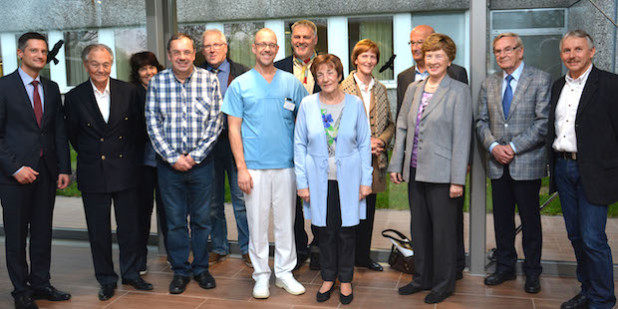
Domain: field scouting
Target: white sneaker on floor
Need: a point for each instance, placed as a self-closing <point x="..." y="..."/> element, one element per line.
<point x="290" y="284"/>
<point x="260" y="289"/>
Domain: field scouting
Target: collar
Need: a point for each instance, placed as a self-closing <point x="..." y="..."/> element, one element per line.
<point x="188" y="77"/>
<point x="27" y="79"/>
<point x="223" y="67"/>
<point x="580" y="80"/>
<point x="361" y="84"/>
<point x="517" y="73"/>
<point x="307" y="61"/>
<point x="96" y="90"/>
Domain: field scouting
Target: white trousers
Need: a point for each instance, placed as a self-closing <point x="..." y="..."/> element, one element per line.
<point x="273" y="189"/>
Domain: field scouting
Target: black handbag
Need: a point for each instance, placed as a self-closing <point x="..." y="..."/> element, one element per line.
<point x="396" y="259"/>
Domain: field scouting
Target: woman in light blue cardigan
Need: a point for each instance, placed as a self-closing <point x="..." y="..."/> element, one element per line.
<point x="332" y="159"/>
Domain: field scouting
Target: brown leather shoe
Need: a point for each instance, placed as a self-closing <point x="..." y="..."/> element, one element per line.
<point x="214" y="258"/>
<point x="247" y="260"/>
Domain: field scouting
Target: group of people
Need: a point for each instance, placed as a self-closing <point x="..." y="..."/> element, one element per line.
<point x="295" y="137"/>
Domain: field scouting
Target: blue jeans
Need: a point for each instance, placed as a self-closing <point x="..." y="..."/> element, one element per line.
<point x="585" y="225"/>
<point x="224" y="162"/>
<point x="187" y="194"/>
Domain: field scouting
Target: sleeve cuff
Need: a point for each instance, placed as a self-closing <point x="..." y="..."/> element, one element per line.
<point x="491" y="147"/>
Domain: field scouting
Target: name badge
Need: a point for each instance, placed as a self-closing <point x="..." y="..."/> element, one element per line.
<point x="289" y="104"/>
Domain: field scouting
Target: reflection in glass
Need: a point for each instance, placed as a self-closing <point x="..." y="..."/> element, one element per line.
<point x="74" y="43"/>
<point x="321" y="47"/>
<point x="128" y="42"/>
<point x="239" y="40"/>
<point x="379" y="30"/>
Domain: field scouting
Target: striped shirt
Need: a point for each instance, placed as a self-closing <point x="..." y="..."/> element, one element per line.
<point x="183" y="117"/>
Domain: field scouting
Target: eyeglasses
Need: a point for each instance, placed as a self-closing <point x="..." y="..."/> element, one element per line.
<point x="506" y="50"/>
<point x="419" y="42"/>
<point x="215" y="46"/>
<point x="264" y="45"/>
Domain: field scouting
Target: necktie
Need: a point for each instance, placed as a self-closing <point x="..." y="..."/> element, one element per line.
<point x="36" y="100"/>
<point x="507" y="97"/>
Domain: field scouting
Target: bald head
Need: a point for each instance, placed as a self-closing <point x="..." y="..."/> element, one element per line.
<point x="264" y="32"/>
<point x="417" y="37"/>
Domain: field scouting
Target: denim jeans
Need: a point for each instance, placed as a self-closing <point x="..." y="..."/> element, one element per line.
<point x="187" y="194"/>
<point x="224" y="162"/>
<point x="585" y="225"/>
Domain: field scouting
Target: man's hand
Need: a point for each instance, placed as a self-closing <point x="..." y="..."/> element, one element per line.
<point x="455" y="191"/>
<point x="63" y="181"/>
<point x="245" y="182"/>
<point x="184" y="163"/>
<point x="304" y="194"/>
<point x="503" y="154"/>
<point x="26" y="175"/>
<point x="377" y="146"/>
<point x="396" y="178"/>
<point x="363" y="192"/>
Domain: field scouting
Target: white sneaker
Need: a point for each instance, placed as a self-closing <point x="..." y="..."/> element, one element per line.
<point x="260" y="289"/>
<point x="290" y="284"/>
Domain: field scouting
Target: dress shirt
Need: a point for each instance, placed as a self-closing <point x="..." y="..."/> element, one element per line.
<point x="419" y="75"/>
<point x="566" y="110"/>
<point x="27" y="80"/>
<point x="366" y="93"/>
<point x="223" y="74"/>
<point x="424" y="102"/>
<point x="304" y="75"/>
<point x="516" y="76"/>
<point x="103" y="99"/>
<point x="183" y="117"/>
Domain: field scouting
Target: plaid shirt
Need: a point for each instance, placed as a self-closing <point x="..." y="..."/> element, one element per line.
<point x="183" y="117"/>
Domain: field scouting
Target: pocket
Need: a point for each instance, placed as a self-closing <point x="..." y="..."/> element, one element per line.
<point x="202" y="106"/>
<point x="442" y="152"/>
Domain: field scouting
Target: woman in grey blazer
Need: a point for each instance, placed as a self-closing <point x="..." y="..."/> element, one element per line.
<point x="434" y="126"/>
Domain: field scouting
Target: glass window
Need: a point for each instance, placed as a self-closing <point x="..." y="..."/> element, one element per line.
<point x="74" y="43"/>
<point x="128" y="42"/>
<point x="529" y="19"/>
<point x="239" y="39"/>
<point x="321" y="47"/>
<point x="379" y="30"/>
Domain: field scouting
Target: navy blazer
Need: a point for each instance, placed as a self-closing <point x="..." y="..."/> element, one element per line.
<point x="287" y="64"/>
<point x="107" y="158"/>
<point x="21" y="138"/>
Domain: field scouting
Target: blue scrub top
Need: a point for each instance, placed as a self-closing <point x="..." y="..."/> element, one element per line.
<point x="267" y="120"/>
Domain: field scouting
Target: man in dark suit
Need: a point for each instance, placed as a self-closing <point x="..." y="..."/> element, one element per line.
<point x="102" y="123"/>
<point x="34" y="161"/>
<point x="511" y="124"/>
<point x="304" y="39"/>
<point x="214" y="49"/>
<point x="582" y="142"/>
<point x="419" y="72"/>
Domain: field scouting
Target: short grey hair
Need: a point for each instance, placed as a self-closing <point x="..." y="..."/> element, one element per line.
<point x="578" y="34"/>
<point x="88" y="49"/>
<point x="214" y="31"/>
<point x="305" y="23"/>
<point x="520" y="43"/>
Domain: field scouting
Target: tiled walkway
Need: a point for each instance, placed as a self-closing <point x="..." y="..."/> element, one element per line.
<point x="72" y="271"/>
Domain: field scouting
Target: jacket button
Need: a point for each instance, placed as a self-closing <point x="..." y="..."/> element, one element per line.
<point x="120" y="156"/>
<point x="103" y="157"/>
<point x="88" y="124"/>
<point x="102" y="139"/>
<point x="120" y="137"/>
<point x="126" y="118"/>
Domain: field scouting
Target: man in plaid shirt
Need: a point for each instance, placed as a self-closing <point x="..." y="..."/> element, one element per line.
<point x="183" y="118"/>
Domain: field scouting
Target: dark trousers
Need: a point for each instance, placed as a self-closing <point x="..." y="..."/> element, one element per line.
<point x="506" y="192"/>
<point x="364" y="233"/>
<point x="585" y="224"/>
<point x="98" y="207"/>
<point x="461" y="250"/>
<point x="336" y="242"/>
<point x="300" y="236"/>
<point x="27" y="210"/>
<point x="148" y="193"/>
<point x="434" y="216"/>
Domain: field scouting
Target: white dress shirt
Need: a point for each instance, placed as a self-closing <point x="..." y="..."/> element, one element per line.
<point x="566" y="110"/>
<point x="366" y="93"/>
<point x="103" y="100"/>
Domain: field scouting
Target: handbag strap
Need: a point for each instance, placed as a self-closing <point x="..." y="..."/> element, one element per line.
<point x="402" y="238"/>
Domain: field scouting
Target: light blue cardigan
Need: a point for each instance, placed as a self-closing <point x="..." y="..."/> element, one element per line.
<point x="352" y="158"/>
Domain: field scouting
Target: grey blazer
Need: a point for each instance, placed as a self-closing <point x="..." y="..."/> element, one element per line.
<point x="444" y="133"/>
<point x="526" y="126"/>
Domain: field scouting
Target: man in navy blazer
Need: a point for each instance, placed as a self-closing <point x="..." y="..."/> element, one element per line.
<point x="304" y="39"/>
<point x="582" y="141"/>
<point x="102" y="124"/>
<point x="511" y="124"/>
<point x="34" y="161"/>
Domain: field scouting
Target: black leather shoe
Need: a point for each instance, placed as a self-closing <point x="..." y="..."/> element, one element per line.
<point x="533" y="285"/>
<point x="436" y="297"/>
<point x="314" y="263"/>
<point x="138" y="284"/>
<point x="301" y="258"/>
<point x="371" y="265"/>
<point x="106" y="291"/>
<point x="346" y="299"/>
<point x="322" y="297"/>
<point x="25" y="301"/>
<point x="579" y="301"/>
<point x="51" y="293"/>
<point x="179" y="284"/>
<point x="410" y="288"/>
<point x="497" y="278"/>
<point x="459" y="275"/>
<point x="205" y="280"/>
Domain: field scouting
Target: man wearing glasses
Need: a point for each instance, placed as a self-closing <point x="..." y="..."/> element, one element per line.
<point x="214" y="49"/>
<point x="511" y="123"/>
<point x="263" y="103"/>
